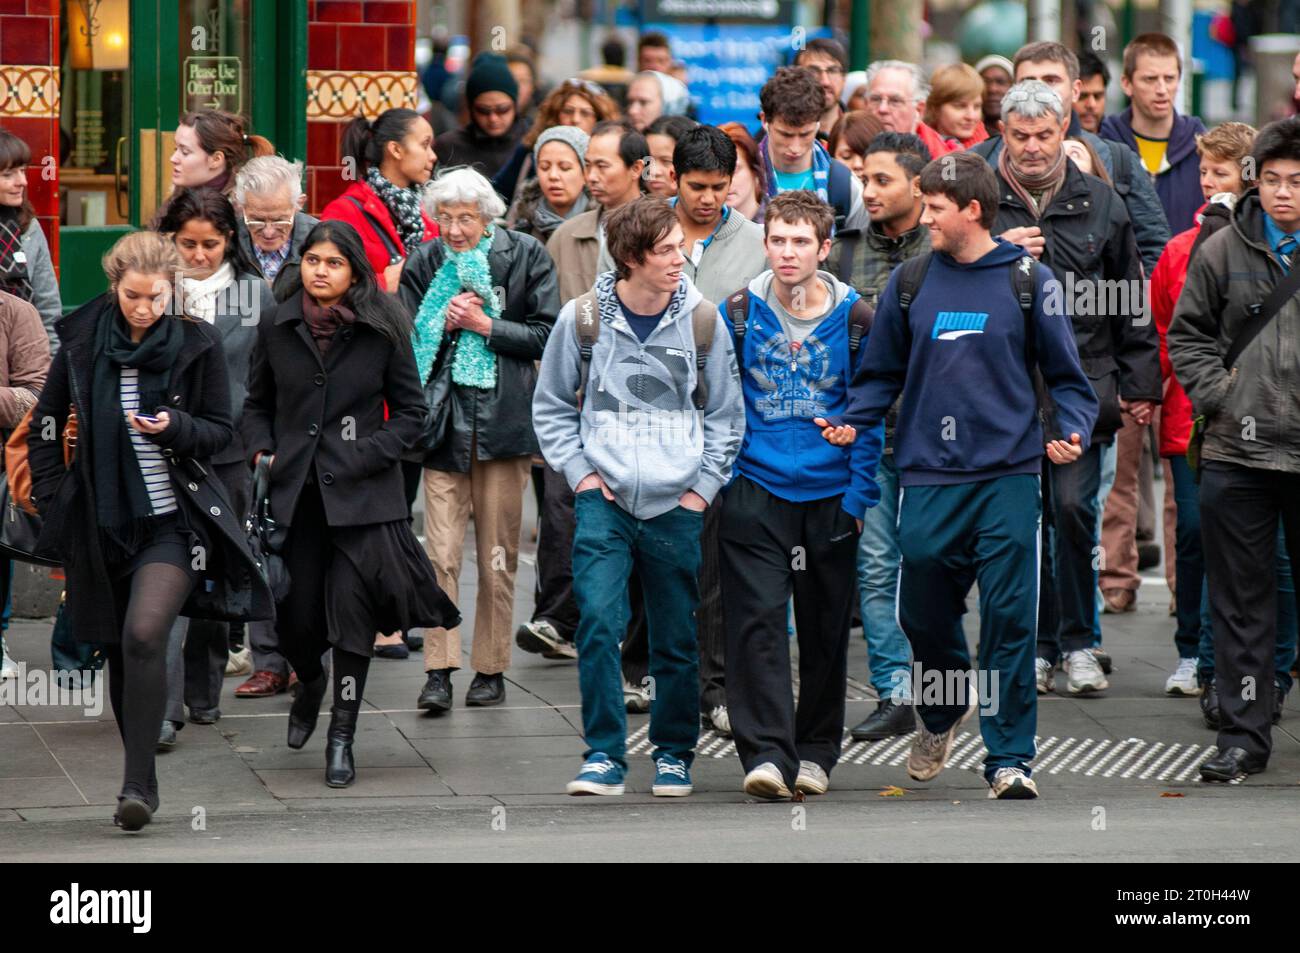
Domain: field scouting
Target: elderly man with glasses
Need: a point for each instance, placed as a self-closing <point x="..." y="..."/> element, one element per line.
<point x="269" y="200"/>
<point x="896" y="94"/>
<point x="1088" y="242"/>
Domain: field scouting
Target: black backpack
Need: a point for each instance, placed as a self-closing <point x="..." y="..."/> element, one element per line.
<point x="861" y="314"/>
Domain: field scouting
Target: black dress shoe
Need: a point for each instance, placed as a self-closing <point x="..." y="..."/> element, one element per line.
<point x="486" y="690"/>
<point x="436" y="694"/>
<point x="1210" y="706"/>
<point x="1279" y="698"/>
<point x="413" y="642"/>
<point x="1230" y="765"/>
<point x="306" y="709"/>
<point x="132" y="814"/>
<point x="340" y="771"/>
<point x="887" y="721"/>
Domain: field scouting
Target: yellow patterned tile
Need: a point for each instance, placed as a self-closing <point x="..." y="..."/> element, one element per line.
<point x="29" y="91"/>
<point x="339" y="95"/>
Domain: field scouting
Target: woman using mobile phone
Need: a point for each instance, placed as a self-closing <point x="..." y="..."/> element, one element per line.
<point x="328" y="359"/>
<point x="143" y="533"/>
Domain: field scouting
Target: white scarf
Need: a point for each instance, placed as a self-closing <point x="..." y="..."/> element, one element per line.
<point x="201" y="294"/>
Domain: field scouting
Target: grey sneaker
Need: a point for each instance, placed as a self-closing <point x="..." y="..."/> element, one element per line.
<point x="766" y="782"/>
<point x="1044" y="676"/>
<point x="538" y="637"/>
<point x="812" y="779"/>
<point x="930" y="751"/>
<point x="1012" y="784"/>
<point x="167" y="736"/>
<point x="635" y="699"/>
<point x="1084" y="673"/>
<point x="719" y="720"/>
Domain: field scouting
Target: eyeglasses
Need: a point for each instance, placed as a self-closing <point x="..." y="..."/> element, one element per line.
<point x="281" y="225"/>
<point x="895" y="102"/>
<point x="504" y="109"/>
<point x="1047" y="97"/>
<point x="585" y="85"/>
<point x="463" y="222"/>
<point x="825" y="70"/>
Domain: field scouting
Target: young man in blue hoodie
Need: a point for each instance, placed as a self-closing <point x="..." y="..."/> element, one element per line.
<point x="638" y="405"/>
<point x="792" y="515"/>
<point x="969" y="447"/>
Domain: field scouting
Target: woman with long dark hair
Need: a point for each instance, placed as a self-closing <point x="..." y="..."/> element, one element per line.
<point x="211" y="145"/>
<point x="392" y="158"/>
<point x="328" y="360"/>
<point x="221" y="286"/>
<point x="142" y="532"/>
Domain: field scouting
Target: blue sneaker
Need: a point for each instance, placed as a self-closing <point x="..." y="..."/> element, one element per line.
<point x="599" y="775"/>
<point x="672" y="779"/>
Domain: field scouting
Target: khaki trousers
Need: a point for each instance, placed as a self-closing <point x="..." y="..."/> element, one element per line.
<point x="1119" y="518"/>
<point x="496" y="490"/>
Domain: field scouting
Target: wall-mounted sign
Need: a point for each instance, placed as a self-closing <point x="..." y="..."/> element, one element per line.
<point x="213" y="82"/>
<point x="728" y="11"/>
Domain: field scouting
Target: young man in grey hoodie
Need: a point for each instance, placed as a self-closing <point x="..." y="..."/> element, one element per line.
<point x="644" y="423"/>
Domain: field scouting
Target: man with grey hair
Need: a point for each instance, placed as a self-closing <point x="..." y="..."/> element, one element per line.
<point x="269" y="199"/>
<point x="896" y="91"/>
<point x="1087" y="241"/>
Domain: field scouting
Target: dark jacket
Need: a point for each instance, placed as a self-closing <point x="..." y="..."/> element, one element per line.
<point x="236" y="322"/>
<point x="1252" y="411"/>
<point x="302" y="225"/>
<point x="1178" y="183"/>
<point x="1089" y="239"/>
<point x="1145" y="212"/>
<point x="500" y="420"/>
<point x="327" y="411"/>
<point x="485" y="154"/>
<point x="230" y="587"/>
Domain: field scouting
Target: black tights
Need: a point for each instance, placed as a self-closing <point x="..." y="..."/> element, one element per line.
<point x="137" y="683"/>
<point x="349" y="679"/>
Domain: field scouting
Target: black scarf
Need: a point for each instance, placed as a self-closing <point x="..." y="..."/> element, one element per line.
<point x="121" y="500"/>
<point x="323" y="322"/>
<point x="14" y="275"/>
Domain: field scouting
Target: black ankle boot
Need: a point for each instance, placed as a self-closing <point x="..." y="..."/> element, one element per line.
<point x="339" y="769"/>
<point x="306" y="709"/>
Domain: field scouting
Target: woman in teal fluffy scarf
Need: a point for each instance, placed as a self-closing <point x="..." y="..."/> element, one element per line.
<point x="484" y="300"/>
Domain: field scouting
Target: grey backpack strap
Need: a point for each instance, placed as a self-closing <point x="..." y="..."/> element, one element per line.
<point x="586" y="325"/>
<point x="704" y="323"/>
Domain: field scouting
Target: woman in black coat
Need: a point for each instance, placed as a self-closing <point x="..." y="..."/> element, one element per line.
<point x="484" y="299"/>
<point x="223" y="288"/>
<point x="143" y="531"/>
<point x="327" y="361"/>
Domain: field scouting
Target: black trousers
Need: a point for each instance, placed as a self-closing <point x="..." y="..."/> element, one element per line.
<point x="554" y="601"/>
<point x="1240" y="508"/>
<point x="1067" y="608"/>
<point x="770" y="549"/>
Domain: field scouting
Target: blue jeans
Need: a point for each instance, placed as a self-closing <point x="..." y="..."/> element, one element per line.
<point x="609" y="544"/>
<point x="1109" y="462"/>
<point x="1191" y="603"/>
<point x="889" y="655"/>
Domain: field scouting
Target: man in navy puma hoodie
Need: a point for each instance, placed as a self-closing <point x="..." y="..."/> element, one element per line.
<point x="969" y="448"/>
<point x="792" y="515"/>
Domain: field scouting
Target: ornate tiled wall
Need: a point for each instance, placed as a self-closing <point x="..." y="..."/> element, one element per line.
<point x="29" y="98"/>
<point x="360" y="59"/>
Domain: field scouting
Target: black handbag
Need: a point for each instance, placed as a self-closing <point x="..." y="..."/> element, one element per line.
<point x="265" y="536"/>
<point x="19" y="530"/>
<point x="438" y="399"/>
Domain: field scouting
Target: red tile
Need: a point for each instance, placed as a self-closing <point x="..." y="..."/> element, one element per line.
<point x="322" y="46"/>
<point x="329" y="185"/>
<point x="401" y="47"/>
<point x="44" y="193"/>
<point x="25" y="40"/>
<point x="36" y="132"/>
<point x="389" y="11"/>
<point x="13" y="6"/>
<point x="338" y="11"/>
<point x="323" y="142"/>
<point x="44" y="8"/>
<point x="362" y="47"/>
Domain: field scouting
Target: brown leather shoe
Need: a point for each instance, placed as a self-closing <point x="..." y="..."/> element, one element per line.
<point x="261" y="684"/>
<point x="1119" y="600"/>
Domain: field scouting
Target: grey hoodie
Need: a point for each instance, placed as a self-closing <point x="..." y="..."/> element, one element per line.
<point x="732" y="259"/>
<point x="638" y="428"/>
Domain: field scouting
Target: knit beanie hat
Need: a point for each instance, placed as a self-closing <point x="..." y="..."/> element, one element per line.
<point x="490" y="74"/>
<point x="571" y="136"/>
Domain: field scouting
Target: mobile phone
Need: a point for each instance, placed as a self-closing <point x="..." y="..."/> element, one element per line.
<point x="149" y="418"/>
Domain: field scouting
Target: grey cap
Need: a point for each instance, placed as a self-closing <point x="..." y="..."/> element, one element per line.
<point x="571" y="136"/>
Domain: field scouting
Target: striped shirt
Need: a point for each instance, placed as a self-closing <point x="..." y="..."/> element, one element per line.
<point x="153" y="467"/>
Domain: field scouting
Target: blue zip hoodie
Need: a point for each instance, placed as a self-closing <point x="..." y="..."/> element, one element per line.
<point x="783" y="451"/>
<point x="969" y="409"/>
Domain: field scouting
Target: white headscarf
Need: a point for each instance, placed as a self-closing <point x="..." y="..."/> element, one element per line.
<point x="673" y="91"/>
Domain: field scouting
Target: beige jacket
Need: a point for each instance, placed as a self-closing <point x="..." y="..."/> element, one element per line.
<point x="575" y="248"/>
<point x="24" y="358"/>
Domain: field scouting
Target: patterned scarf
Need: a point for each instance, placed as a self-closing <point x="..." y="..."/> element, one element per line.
<point x="14" y="276"/>
<point x="1047" y="183"/>
<point x="821" y="170"/>
<point x="403" y="205"/>
<point x="474" y="363"/>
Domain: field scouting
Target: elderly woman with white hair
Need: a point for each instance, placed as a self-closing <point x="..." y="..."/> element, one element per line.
<point x="268" y="197"/>
<point x="484" y="300"/>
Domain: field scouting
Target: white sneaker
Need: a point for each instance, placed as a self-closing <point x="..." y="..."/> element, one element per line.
<point x="635" y="699"/>
<point x="766" y="782"/>
<point x="1183" y="681"/>
<point x="8" y="667"/>
<point x="240" y="663"/>
<point x="812" y="779"/>
<point x="720" y="720"/>
<point x="1084" y="672"/>
<point x="1012" y="784"/>
<point x="1044" y="676"/>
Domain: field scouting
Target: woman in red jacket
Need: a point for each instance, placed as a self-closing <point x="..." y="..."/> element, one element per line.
<point x="1221" y="151"/>
<point x="392" y="159"/>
